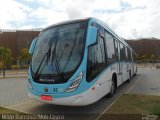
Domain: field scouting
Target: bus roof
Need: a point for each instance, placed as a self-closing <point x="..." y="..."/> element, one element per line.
<point x="112" y="32"/>
<point x="92" y="20"/>
<point x="66" y="22"/>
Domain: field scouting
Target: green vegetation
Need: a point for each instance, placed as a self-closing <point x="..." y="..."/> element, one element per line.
<point x="146" y="59"/>
<point x="15" y="67"/>
<point x="136" y="104"/>
<point x="8" y="111"/>
<point x="133" y="105"/>
<point x="25" y="56"/>
<point x="5" y="58"/>
<point x="9" y="62"/>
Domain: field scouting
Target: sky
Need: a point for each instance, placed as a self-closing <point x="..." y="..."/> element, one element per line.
<point x="130" y="19"/>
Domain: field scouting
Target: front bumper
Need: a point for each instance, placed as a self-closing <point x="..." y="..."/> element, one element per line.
<point x="85" y="98"/>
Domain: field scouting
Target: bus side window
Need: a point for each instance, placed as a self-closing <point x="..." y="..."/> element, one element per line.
<point x="116" y="49"/>
<point x="134" y="57"/>
<point x="122" y="52"/>
<point x="96" y="59"/>
<point x="129" y="55"/>
<point x="111" y="58"/>
<point x="126" y="54"/>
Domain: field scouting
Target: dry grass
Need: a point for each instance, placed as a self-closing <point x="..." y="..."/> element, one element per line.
<point x="132" y="106"/>
<point x="8" y="111"/>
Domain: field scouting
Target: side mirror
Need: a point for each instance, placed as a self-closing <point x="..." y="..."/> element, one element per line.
<point x="33" y="44"/>
<point x="91" y="35"/>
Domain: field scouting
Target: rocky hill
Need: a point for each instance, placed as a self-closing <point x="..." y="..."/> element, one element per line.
<point x="146" y="46"/>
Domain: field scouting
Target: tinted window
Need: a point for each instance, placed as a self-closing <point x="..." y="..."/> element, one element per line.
<point x="99" y="27"/>
<point x="110" y="48"/>
<point x="129" y="55"/>
<point x="122" y="52"/>
<point x="59" y="50"/>
<point x="96" y="59"/>
<point x="116" y="49"/>
<point x="126" y="54"/>
<point x="134" y="57"/>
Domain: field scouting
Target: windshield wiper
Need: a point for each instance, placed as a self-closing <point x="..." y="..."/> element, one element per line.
<point x="71" y="51"/>
<point x="36" y="76"/>
<point x="56" y="61"/>
<point x="47" y="54"/>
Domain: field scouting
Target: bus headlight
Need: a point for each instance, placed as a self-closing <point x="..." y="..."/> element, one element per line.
<point x="74" y="85"/>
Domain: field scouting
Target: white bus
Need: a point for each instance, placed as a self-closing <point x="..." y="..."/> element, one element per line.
<point x="78" y="62"/>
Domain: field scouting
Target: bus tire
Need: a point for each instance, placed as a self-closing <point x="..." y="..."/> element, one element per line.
<point x="129" y="79"/>
<point x="135" y="72"/>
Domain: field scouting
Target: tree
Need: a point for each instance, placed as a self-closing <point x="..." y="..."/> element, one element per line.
<point x="152" y="58"/>
<point x="144" y="59"/>
<point x="138" y="57"/>
<point x="5" y="58"/>
<point x="24" y="55"/>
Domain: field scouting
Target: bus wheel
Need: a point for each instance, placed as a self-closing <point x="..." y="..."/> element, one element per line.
<point x="129" y="77"/>
<point x="113" y="88"/>
<point x="135" y="74"/>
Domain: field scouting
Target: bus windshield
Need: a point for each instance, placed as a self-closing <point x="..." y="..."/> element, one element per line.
<point x="59" y="50"/>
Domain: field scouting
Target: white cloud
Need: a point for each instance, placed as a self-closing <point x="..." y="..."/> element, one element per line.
<point x="24" y="27"/>
<point x="129" y="18"/>
<point x="12" y="11"/>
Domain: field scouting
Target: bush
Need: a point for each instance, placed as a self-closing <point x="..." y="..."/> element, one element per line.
<point x="15" y="67"/>
<point x="1" y="64"/>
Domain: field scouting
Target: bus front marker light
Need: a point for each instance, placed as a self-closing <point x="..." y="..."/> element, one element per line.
<point x="74" y="85"/>
<point x="93" y="88"/>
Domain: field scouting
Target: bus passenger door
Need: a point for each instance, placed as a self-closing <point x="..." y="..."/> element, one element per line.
<point x="122" y="70"/>
<point x="119" y="65"/>
<point x="132" y="64"/>
<point x="126" y="64"/>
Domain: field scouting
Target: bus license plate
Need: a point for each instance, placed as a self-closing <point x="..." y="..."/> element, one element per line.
<point x="46" y="97"/>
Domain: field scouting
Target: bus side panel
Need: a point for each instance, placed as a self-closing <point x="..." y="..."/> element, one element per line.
<point x="104" y="82"/>
<point x="135" y="68"/>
